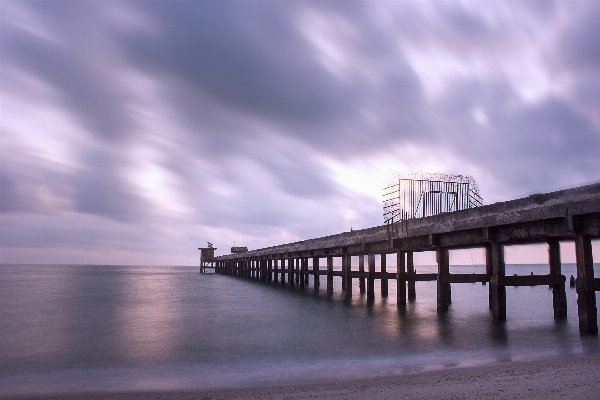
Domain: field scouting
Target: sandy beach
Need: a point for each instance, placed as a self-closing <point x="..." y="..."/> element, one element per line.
<point x="565" y="377"/>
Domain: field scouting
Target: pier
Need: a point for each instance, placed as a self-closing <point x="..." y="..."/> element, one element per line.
<point x="565" y="215"/>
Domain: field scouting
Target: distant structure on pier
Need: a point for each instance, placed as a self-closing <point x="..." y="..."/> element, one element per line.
<point x="207" y="259"/>
<point x="235" y="250"/>
<point x="422" y="194"/>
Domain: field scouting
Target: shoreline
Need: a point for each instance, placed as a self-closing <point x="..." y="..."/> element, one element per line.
<point x="565" y="376"/>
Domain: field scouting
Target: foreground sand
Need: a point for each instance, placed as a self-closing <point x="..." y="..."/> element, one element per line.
<point x="568" y="377"/>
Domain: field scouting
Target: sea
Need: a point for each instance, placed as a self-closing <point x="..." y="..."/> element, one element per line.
<point x="102" y="328"/>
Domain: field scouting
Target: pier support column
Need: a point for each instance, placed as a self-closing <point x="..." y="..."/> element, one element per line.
<point x="263" y="270"/>
<point x="410" y="267"/>
<point x="276" y="270"/>
<point x="343" y="275"/>
<point x="303" y="267"/>
<point x="291" y="271"/>
<point x="361" y="270"/>
<point x="269" y="270"/>
<point x="384" y="280"/>
<point x="297" y="267"/>
<point x="586" y="299"/>
<point x="316" y="276"/>
<point x="498" y="292"/>
<point x="347" y="262"/>
<point x="329" y="274"/>
<point x="306" y="274"/>
<point x="559" y="295"/>
<point x="400" y="284"/>
<point x="489" y="270"/>
<point x="371" y="278"/>
<point x="283" y="271"/>
<point x="444" y="296"/>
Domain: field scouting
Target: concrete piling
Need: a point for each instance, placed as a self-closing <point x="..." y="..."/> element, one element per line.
<point x="586" y="293"/>
<point x="384" y="281"/>
<point x="559" y="294"/>
<point x="329" y="275"/>
<point x="361" y="270"/>
<point x="371" y="278"/>
<point x="410" y="266"/>
<point x="444" y="297"/>
<point x="400" y="283"/>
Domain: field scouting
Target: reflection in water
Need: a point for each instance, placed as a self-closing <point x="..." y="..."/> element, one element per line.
<point x="149" y="316"/>
<point x="172" y="326"/>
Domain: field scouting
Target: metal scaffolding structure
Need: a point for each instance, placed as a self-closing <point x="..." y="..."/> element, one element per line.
<point x="422" y="194"/>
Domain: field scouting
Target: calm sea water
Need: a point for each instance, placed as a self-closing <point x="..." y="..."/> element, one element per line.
<point x="66" y="328"/>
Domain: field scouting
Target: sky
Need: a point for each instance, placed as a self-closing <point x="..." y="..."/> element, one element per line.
<point x="135" y="132"/>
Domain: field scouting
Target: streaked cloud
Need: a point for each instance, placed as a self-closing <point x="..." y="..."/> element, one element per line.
<point x="136" y="131"/>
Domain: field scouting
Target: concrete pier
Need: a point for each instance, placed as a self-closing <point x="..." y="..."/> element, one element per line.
<point x="566" y="215"/>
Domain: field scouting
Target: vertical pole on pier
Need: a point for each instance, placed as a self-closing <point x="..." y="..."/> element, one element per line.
<point x="384" y="280"/>
<point x="559" y="295"/>
<point x="444" y="297"/>
<point x="283" y="271"/>
<point x="371" y="278"/>
<point x="410" y="266"/>
<point x="361" y="270"/>
<point x="586" y="299"/>
<point x="269" y="270"/>
<point x="400" y="282"/>
<point x="291" y="271"/>
<point x="303" y="266"/>
<point x="347" y="261"/>
<point x="498" y="290"/>
<point x="329" y="275"/>
<point x="316" y="276"/>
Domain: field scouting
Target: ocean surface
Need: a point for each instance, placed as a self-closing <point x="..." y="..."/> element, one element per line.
<point x="79" y="328"/>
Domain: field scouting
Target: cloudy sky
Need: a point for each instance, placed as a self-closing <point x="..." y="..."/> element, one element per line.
<point x="134" y="132"/>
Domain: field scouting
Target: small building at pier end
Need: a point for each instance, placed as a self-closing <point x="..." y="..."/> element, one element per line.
<point x="207" y="259"/>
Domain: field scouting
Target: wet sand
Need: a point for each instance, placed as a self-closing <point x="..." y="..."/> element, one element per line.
<point x="565" y="377"/>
